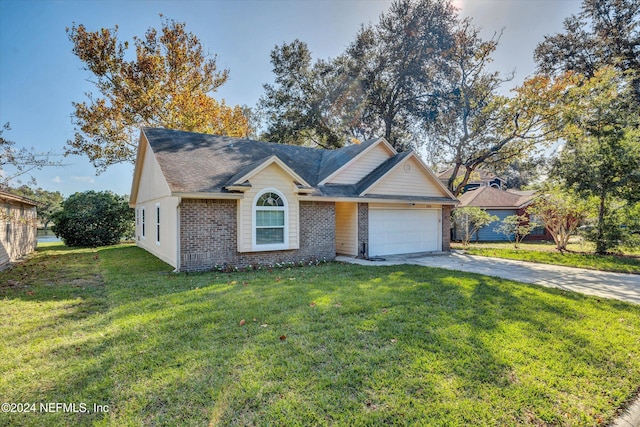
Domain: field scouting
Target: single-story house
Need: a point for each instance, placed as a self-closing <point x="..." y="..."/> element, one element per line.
<point x="205" y="201"/>
<point x="502" y="203"/>
<point x="18" y="231"/>
<point x="479" y="178"/>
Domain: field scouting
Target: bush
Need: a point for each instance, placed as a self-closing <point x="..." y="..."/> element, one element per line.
<point x="92" y="219"/>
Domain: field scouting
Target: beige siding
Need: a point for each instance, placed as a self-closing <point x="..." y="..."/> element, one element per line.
<point x="408" y="181"/>
<point x="347" y="228"/>
<point x="167" y="248"/>
<point x="362" y="166"/>
<point x="270" y="177"/>
<point x="18" y="230"/>
<point x="152" y="185"/>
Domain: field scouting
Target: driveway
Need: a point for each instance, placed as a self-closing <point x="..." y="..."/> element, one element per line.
<point x="625" y="287"/>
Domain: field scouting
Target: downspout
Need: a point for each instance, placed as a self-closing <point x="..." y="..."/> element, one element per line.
<point x="178" y="235"/>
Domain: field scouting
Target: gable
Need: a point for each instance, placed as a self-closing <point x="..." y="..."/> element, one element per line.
<point x="409" y="178"/>
<point x="362" y="165"/>
<point x="149" y="182"/>
<point x="254" y="170"/>
<point x="275" y="177"/>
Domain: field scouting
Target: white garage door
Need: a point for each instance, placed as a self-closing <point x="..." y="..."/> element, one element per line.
<point x="403" y="231"/>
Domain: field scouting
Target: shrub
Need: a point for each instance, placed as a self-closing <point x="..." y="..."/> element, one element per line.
<point x="92" y="219"/>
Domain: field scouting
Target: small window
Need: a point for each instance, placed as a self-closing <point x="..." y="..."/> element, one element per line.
<point x="158" y="224"/>
<point x="8" y="225"/>
<point x="270" y="213"/>
<point x="144" y="223"/>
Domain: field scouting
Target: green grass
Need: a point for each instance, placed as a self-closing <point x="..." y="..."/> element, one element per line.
<point x="401" y="345"/>
<point x="547" y="254"/>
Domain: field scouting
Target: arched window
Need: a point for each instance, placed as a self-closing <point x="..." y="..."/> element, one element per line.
<point x="270" y="219"/>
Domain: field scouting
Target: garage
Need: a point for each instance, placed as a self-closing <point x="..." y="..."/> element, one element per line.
<point x="403" y="231"/>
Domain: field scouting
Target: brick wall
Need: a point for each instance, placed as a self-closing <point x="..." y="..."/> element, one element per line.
<point x="446" y="228"/>
<point x="363" y="228"/>
<point x="208" y="230"/>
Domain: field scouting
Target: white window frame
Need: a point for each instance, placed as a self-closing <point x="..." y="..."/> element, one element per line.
<point x="285" y="208"/>
<point x="157" y="223"/>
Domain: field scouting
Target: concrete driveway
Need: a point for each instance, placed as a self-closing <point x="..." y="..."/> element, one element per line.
<point x="625" y="287"/>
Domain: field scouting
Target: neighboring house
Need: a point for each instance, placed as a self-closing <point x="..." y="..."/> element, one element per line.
<point x="502" y="204"/>
<point x="18" y="232"/>
<point x="203" y="201"/>
<point x="479" y="178"/>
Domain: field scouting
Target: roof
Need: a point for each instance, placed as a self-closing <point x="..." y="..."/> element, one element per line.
<point x="215" y="163"/>
<point x="14" y="198"/>
<point x="489" y="197"/>
<point x="213" y="160"/>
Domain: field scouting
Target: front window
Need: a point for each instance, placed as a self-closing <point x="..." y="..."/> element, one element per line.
<point x="158" y="224"/>
<point x="144" y="223"/>
<point x="270" y="219"/>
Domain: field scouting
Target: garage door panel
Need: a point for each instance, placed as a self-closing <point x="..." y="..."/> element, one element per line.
<point x="396" y="231"/>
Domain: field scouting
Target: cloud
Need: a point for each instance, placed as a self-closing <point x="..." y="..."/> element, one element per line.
<point x="86" y="178"/>
<point x="57" y="179"/>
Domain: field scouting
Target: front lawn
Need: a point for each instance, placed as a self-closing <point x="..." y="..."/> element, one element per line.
<point x="547" y="254"/>
<point x="324" y="345"/>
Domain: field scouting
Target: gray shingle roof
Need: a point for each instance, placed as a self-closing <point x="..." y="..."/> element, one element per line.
<point x="212" y="161"/>
<point x="195" y="163"/>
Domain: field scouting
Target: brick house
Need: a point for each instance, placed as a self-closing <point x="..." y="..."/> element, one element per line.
<point x="203" y="201"/>
<point x="18" y="231"/>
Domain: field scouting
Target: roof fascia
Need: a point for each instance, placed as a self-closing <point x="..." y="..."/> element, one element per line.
<point x="381" y="140"/>
<point x="411" y="155"/>
<point x="20" y="199"/>
<point x="137" y="173"/>
<point x="206" y="195"/>
<point x="375" y="200"/>
<point x="269" y="161"/>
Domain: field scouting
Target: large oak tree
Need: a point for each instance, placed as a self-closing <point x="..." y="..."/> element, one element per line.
<point x="384" y="84"/>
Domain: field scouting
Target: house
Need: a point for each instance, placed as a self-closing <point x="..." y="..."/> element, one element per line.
<point x="479" y="178"/>
<point x="18" y="232"/>
<point x="203" y="201"/>
<point x="501" y="203"/>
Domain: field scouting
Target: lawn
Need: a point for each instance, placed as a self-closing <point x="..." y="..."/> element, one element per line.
<point x="322" y="345"/>
<point x="546" y="253"/>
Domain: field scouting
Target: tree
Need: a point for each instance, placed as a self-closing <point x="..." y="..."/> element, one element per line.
<point x="522" y="173"/>
<point x="382" y="85"/>
<point x="561" y="212"/>
<point x="604" y="33"/>
<point x="398" y="66"/>
<point x="92" y="219"/>
<point x="515" y="227"/>
<point x="49" y="202"/>
<point x="474" y="126"/>
<point x="469" y="220"/>
<point x="22" y="160"/>
<point x="601" y="156"/>
<point x="303" y="107"/>
<point x="168" y="84"/>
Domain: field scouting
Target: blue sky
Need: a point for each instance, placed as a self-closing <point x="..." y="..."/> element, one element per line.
<point x="40" y="77"/>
